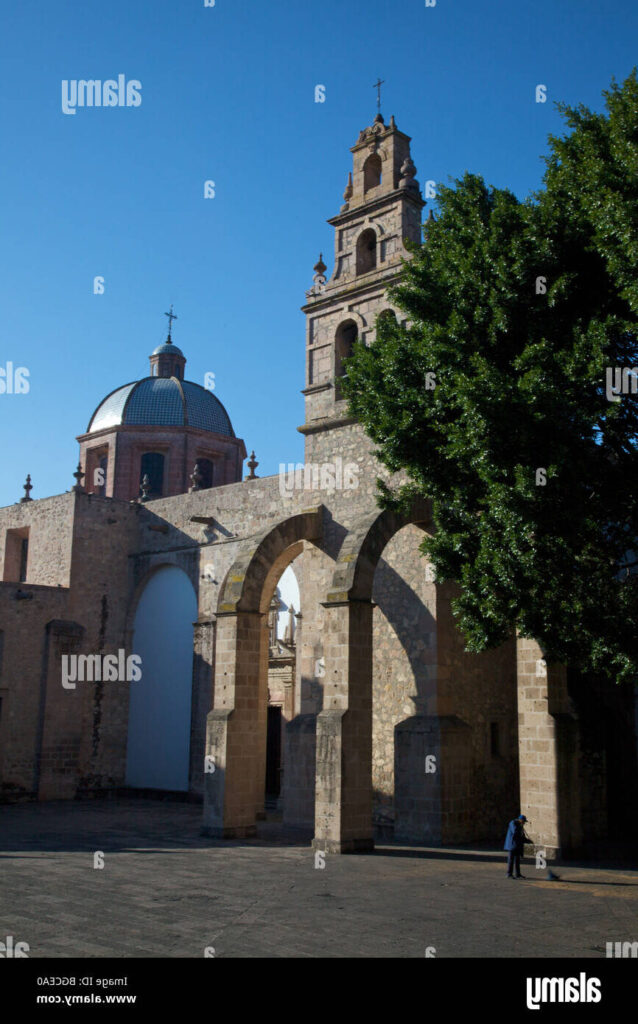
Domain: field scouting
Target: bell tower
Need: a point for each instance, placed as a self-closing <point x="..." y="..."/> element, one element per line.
<point x="382" y="209"/>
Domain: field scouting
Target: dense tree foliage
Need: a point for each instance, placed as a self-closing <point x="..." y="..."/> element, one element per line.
<point x="496" y="403"/>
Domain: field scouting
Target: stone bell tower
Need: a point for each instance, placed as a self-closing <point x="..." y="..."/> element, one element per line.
<point x="382" y="208"/>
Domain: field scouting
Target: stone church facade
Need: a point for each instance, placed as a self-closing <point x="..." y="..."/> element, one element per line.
<point x="389" y="727"/>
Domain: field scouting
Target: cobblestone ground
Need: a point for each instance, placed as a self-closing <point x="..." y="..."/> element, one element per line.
<point x="166" y="891"/>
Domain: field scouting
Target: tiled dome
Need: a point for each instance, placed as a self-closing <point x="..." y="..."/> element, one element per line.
<point x="162" y="401"/>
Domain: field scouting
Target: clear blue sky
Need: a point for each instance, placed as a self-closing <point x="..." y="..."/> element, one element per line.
<point x="228" y="95"/>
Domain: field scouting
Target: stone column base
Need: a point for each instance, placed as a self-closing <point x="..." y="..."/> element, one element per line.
<point x="343" y="846"/>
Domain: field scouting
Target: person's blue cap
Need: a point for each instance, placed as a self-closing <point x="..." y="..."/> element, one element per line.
<point x="522" y="817"/>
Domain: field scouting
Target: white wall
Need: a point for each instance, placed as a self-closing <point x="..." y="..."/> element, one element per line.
<point x="160" y="706"/>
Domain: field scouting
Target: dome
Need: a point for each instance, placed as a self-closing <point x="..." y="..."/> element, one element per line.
<point x="162" y="401"/>
<point x="167" y="347"/>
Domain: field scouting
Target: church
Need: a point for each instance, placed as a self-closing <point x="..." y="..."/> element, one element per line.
<point x="295" y="649"/>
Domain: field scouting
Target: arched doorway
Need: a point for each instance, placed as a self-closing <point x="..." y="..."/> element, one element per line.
<point x="285" y="607"/>
<point x="236" y="733"/>
<point x="159" y="724"/>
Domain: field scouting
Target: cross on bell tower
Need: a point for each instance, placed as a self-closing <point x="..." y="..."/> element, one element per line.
<point x="377" y="85"/>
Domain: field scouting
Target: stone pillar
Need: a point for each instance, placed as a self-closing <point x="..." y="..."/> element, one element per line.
<point x="548" y="753"/>
<point x="203" y="661"/>
<point x="236" y="727"/>
<point x="343" y="804"/>
<point x="60" y="735"/>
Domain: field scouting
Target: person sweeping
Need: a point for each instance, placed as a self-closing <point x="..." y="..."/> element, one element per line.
<point x="514" y="843"/>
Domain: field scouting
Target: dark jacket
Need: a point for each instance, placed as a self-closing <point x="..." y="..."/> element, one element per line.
<point x="515" y="838"/>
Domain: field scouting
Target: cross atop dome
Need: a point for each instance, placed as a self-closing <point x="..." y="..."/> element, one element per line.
<point x="168" y="360"/>
<point x="171" y="316"/>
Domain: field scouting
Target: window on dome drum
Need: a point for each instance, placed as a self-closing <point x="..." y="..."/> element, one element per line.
<point x="206" y="468"/>
<point x="344" y="340"/>
<point x="103" y="466"/>
<point x="366" y="251"/>
<point x="372" y="172"/>
<point x="152" y="465"/>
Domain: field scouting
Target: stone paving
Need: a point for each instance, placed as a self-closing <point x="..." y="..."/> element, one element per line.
<point x="167" y="891"/>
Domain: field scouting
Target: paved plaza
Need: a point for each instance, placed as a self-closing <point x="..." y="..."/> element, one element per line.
<point x="167" y="891"/>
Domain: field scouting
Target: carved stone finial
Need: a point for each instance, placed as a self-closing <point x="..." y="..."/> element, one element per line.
<point x="320" y="266"/>
<point x="79" y="476"/>
<point x="196" y="479"/>
<point x="318" y="279"/>
<point x="408" y="172"/>
<point x="431" y="219"/>
<point x="347" y="195"/>
<point x="146" y="486"/>
<point x="28" y="487"/>
<point x="252" y="465"/>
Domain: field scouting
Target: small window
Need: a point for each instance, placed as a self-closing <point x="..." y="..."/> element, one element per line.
<point x="372" y="172"/>
<point x="152" y="465"/>
<point x="344" y="342"/>
<point x="366" y="251"/>
<point x="387" y="317"/>
<point x="206" y="469"/>
<point x="103" y="466"/>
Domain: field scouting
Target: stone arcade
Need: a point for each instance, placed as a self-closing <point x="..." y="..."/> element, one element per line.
<point x="161" y="549"/>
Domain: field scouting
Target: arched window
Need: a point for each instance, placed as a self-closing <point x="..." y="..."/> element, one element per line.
<point x="386" y="317"/>
<point x="372" y="172"/>
<point x="206" y="468"/>
<point x="344" y="341"/>
<point x="366" y="251"/>
<point x="152" y="465"/>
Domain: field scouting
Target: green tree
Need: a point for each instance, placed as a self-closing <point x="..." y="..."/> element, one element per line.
<point x="520" y="310"/>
